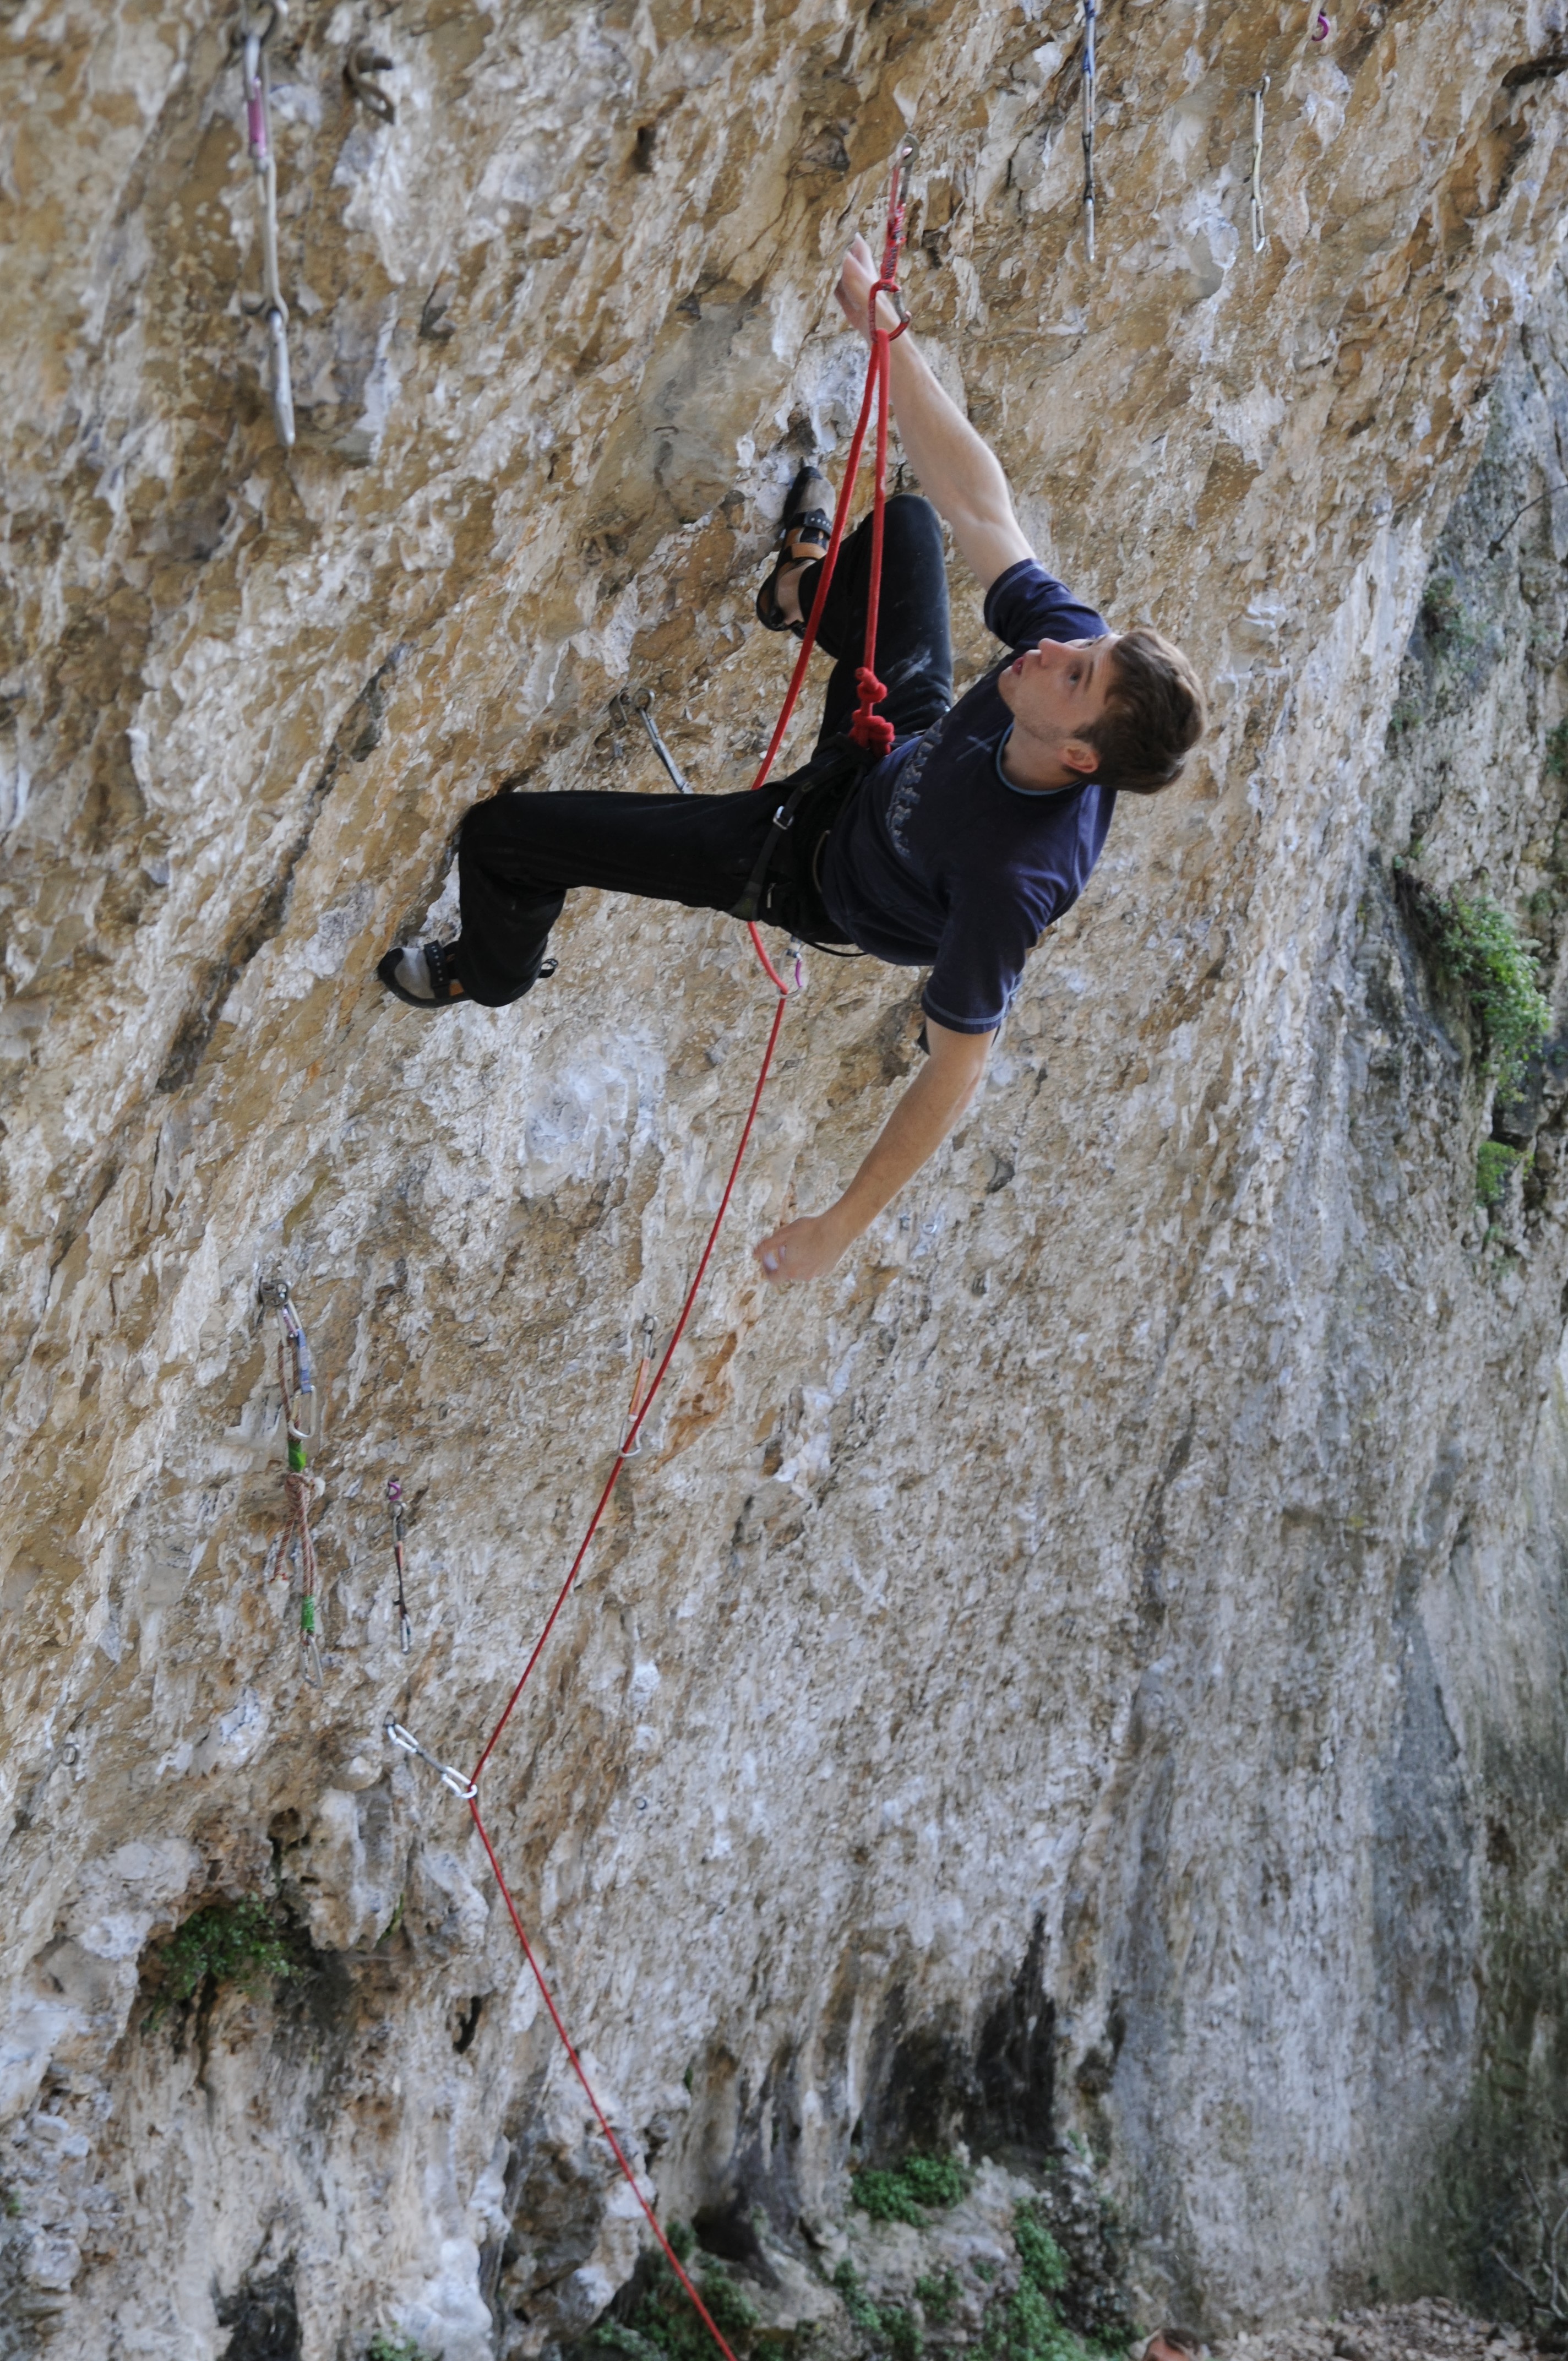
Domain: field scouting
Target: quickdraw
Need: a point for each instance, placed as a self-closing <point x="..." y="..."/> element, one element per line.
<point x="1318" y="28"/>
<point x="450" y="1775"/>
<point x="641" y="703"/>
<point x="630" y="1449"/>
<point x="275" y="1294"/>
<point x="296" y="1543"/>
<point x="867" y="729"/>
<point x="395" y="1504"/>
<point x="870" y="729"/>
<point x="271" y="306"/>
<point x="1259" y="235"/>
<point x="1088" y="81"/>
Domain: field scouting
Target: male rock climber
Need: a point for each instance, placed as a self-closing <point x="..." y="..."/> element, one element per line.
<point x="956" y="851"/>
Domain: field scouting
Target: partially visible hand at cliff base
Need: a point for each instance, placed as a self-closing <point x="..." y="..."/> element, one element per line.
<point x="802" y="1249"/>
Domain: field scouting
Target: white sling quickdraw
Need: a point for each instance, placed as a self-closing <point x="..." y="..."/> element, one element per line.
<point x="253" y="45"/>
<point x="1089" y="17"/>
<point x="296" y="1544"/>
<point x="1319" y="27"/>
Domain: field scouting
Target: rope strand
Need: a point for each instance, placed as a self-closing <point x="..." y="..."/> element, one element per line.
<point x="603" y="2120"/>
<point x="653" y="1394"/>
<point x="875" y="732"/>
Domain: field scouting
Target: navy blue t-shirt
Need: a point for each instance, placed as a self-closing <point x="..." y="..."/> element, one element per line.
<point x="940" y="859"/>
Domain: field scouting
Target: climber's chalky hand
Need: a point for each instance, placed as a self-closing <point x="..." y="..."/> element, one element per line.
<point x="802" y="1249"/>
<point x="856" y="279"/>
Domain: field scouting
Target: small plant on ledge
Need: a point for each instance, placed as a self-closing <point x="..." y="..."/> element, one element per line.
<point x="1492" y="1166"/>
<point x="1477" y="950"/>
<point x="227" y="1942"/>
<point x="1557" y="751"/>
<point x="904" y="2193"/>
<point x="1442" y="612"/>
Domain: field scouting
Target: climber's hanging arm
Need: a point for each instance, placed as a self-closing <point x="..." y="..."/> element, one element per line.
<point x="958" y="472"/>
<point x="923" y="1117"/>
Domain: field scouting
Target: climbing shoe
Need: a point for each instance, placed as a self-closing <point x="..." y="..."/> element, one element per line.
<point x="421" y="976"/>
<point x="804" y="531"/>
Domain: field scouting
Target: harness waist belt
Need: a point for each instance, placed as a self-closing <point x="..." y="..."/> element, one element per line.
<point x="818" y="795"/>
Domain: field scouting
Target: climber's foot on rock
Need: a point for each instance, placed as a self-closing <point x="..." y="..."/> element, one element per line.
<point x="421" y="974"/>
<point x="804" y="531"/>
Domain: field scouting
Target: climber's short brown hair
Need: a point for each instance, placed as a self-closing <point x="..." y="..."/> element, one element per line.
<point x="1154" y="714"/>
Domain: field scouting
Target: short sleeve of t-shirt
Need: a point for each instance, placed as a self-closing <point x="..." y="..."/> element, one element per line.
<point x="1026" y="604"/>
<point x="984" y="944"/>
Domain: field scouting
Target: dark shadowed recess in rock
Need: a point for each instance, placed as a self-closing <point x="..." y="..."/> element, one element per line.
<point x="928" y="2087"/>
<point x="264" y="2319"/>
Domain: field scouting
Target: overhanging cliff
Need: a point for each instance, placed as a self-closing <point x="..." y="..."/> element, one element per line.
<point x="1097" y="1661"/>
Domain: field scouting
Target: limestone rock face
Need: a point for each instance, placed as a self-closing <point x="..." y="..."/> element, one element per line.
<point x="1095" y="1661"/>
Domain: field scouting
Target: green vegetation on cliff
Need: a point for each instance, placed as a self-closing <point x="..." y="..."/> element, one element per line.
<point x="1478" y="948"/>
<point x="663" y="2324"/>
<point x="227" y="1942"/>
<point x="904" y="2193"/>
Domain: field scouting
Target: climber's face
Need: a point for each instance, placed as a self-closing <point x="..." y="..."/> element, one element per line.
<point x="1058" y="691"/>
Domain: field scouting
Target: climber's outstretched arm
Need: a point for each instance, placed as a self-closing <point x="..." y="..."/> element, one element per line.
<point x="958" y="470"/>
<point x="915" y="1130"/>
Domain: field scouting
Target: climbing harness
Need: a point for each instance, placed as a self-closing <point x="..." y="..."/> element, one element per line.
<point x="363" y="60"/>
<point x="1088" y="18"/>
<point x="253" y="45"/>
<point x="395" y="1504"/>
<point x="296" y="1544"/>
<point x="871" y="732"/>
<point x="641" y="703"/>
<point x="819" y="792"/>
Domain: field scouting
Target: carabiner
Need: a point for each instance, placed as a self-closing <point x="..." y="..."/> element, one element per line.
<point x="449" y="1774"/>
<point x="908" y="148"/>
<point x="276" y="12"/>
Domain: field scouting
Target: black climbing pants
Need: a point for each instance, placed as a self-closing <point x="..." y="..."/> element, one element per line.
<point x="520" y="854"/>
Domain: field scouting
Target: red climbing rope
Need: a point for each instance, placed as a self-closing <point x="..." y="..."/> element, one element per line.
<point x="651" y="1395"/>
<point x="603" y="2120"/>
<point x="867" y="727"/>
<point x="872" y="731"/>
